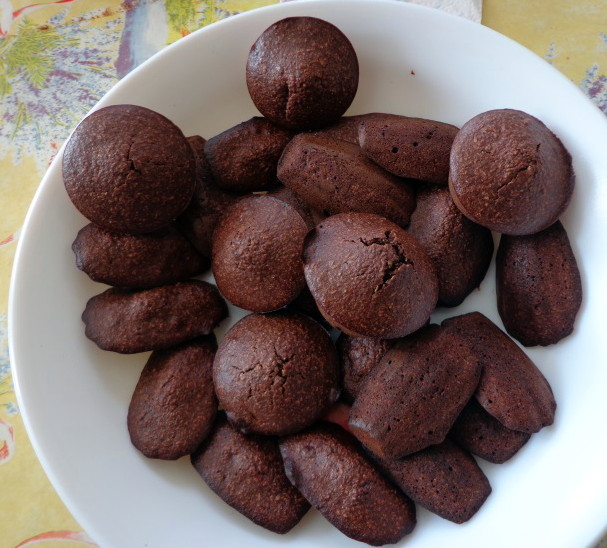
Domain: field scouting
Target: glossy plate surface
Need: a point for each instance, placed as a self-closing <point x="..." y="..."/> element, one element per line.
<point x="414" y="61"/>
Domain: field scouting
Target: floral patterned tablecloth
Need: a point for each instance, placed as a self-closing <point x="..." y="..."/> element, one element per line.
<point x="57" y="58"/>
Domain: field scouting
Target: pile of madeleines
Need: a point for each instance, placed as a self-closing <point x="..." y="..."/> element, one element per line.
<point x="327" y="228"/>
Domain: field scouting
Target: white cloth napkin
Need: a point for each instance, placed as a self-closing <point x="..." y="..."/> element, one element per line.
<point x="470" y="9"/>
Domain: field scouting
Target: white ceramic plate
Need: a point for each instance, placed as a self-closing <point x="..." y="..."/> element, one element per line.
<point x="414" y="61"/>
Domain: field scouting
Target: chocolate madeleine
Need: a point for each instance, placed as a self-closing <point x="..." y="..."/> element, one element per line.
<point x="412" y="398"/>
<point x="129" y="169"/>
<point x="244" y="157"/>
<point x="485" y="436"/>
<point x="305" y="303"/>
<point x="209" y="203"/>
<point x="128" y="321"/>
<point x="510" y="173"/>
<point x="346" y="128"/>
<point x="247" y="473"/>
<point x="302" y="73"/>
<point x="416" y="148"/>
<point x="174" y="405"/>
<point x="329" y="468"/>
<point x="137" y="260"/>
<point x="286" y="195"/>
<point x="369" y="277"/>
<point x="276" y="373"/>
<point x="443" y="478"/>
<point x="333" y="176"/>
<point x="460" y="249"/>
<point x="358" y="356"/>
<point x="257" y="253"/>
<point x="204" y="174"/>
<point x="539" y="290"/>
<point x="512" y="389"/>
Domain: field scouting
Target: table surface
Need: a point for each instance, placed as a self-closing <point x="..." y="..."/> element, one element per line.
<point x="59" y="57"/>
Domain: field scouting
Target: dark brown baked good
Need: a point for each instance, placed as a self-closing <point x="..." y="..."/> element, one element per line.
<point x="329" y="468"/>
<point x="286" y="195"/>
<point x="333" y="176"/>
<point x="443" y="478"/>
<point x="485" y="436"/>
<point x="305" y="303"/>
<point x="511" y="388"/>
<point x="257" y="248"/>
<point x="129" y="321"/>
<point x="209" y="203"/>
<point x="369" y="277"/>
<point x="346" y="128"/>
<point x="244" y="157"/>
<point x="276" y="373"/>
<point x="510" y="173"/>
<point x="460" y="249"/>
<point x="174" y="405"/>
<point x="302" y="73"/>
<point x="416" y="148"/>
<point x="247" y="473"/>
<point x="128" y="169"/>
<point x="358" y="356"/>
<point x="338" y="414"/>
<point x="137" y="260"/>
<point x="412" y="398"/>
<point x="539" y="289"/>
<point x="204" y="175"/>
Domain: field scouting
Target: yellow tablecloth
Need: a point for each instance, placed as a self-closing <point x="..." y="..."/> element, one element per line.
<point x="59" y="57"/>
